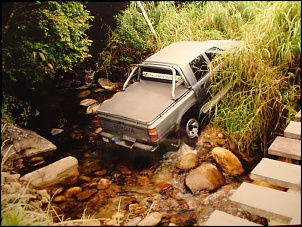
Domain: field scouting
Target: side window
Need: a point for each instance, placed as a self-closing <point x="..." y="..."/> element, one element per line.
<point x="199" y="67"/>
<point x="212" y="53"/>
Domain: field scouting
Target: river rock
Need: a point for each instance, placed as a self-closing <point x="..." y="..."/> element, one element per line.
<point x="92" y="108"/>
<point x="151" y="220"/>
<point x="133" y="221"/>
<point x="84" y="94"/>
<point x="87" y="102"/>
<point x="59" y="199"/>
<point x="204" y="178"/>
<point x="188" y="161"/>
<point x="64" y="171"/>
<point x="107" y="84"/>
<point x="227" y="160"/>
<point x="103" y="183"/>
<point x="56" y="131"/>
<point x="86" y="194"/>
<point x="73" y="191"/>
<point x="23" y="142"/>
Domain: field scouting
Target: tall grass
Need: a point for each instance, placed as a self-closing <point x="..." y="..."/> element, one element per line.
<point x="265" y="79"/>
<point x="264" y="75"/>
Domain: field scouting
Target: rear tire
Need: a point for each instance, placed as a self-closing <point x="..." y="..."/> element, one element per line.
<point x="189" y="129"/>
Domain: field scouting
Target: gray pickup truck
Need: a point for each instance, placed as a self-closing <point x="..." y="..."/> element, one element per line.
<point x="162" y="96"/>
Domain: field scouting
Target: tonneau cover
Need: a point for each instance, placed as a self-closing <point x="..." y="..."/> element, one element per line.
<point x="152" y="97"/>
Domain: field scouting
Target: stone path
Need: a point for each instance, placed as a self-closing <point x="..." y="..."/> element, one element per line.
<point x="279" y="207"/>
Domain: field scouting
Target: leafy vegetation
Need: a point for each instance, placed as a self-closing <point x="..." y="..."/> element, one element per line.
<point x="263" y="76"/>
<point x="39" y="38"/>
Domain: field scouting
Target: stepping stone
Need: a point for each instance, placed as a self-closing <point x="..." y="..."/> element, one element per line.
<point x="269" y="203"/>
<point x="298" y="116"/>
<point x="286" y="147"/>
<point x="293" y="130"/>
<point x="279" y="173"/>
<point x="220" y="218"/>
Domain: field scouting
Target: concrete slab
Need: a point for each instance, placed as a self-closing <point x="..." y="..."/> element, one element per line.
<point x="220" y="218"/>
<point x="286" y="147"/>
<point x="293" y="130"/>
<point x="279" y="173"/>
<point x="267" y="202"/>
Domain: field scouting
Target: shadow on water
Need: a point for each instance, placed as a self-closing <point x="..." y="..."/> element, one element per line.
<point x="59" y="106"/>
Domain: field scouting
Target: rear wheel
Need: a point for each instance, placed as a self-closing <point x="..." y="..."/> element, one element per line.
<point x="189" y="129"/>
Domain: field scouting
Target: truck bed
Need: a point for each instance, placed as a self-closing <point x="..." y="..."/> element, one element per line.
<point x="152" y="97"/>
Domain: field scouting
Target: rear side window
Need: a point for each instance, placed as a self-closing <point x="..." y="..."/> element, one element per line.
<point x="199" y="67"/>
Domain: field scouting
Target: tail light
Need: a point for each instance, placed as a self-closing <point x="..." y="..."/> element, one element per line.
<point x="153" y="134"/>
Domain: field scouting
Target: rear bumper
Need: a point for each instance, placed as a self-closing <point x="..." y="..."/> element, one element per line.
<point x="110" y="138"/>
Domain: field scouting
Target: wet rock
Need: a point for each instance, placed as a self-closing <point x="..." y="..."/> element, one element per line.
<point x="227" y="160"/>
<point x="133" y="221"/>
<point x="56" y="131"/>
<point x="204" y="178"/>
<point x="84" y="178"/>
<point x="92" y="108"/>
<point x="84" y="94"/>
<point x="100" y="172"/>
<point x="151" y="220"/>
<point x="87" y="102"/>
<point x="25" y="143"/>
<point x="73" y="191"/>
<point x="59" y="199"/>
<point x="103" y="183"/>
<point x="86" y="194"/>
<point x="64" y="171"/>
<point x="98" y="130"/>
<point x="107" y="84"/>
<point x="35" y="159"/>
<point x="188" y="161"/>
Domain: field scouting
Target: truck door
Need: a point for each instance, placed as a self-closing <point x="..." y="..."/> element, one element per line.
<point x="200" y="70"/>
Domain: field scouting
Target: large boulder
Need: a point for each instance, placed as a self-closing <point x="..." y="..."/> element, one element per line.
<point x="227" y="160"/>
<point x="21" y="142"/>
<point x="204" y="178"/>
<point x="188" y="161"/>
<point x="63" y="172"/>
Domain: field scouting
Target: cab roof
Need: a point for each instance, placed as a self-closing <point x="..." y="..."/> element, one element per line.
<point x="182" y="52"/>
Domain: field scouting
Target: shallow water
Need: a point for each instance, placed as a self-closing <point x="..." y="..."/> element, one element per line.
<point x="140" y="181"/>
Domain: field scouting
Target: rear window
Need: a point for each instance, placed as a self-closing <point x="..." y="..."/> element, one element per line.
<point x="158" y="74"/>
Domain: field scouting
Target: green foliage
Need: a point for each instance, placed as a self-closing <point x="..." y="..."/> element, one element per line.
<point x="263" y="76"/>
<point x="264" y="79"/>
<point x="40" y="38"/>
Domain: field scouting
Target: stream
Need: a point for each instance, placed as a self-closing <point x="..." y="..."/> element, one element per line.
<point x="118" y="185"/>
